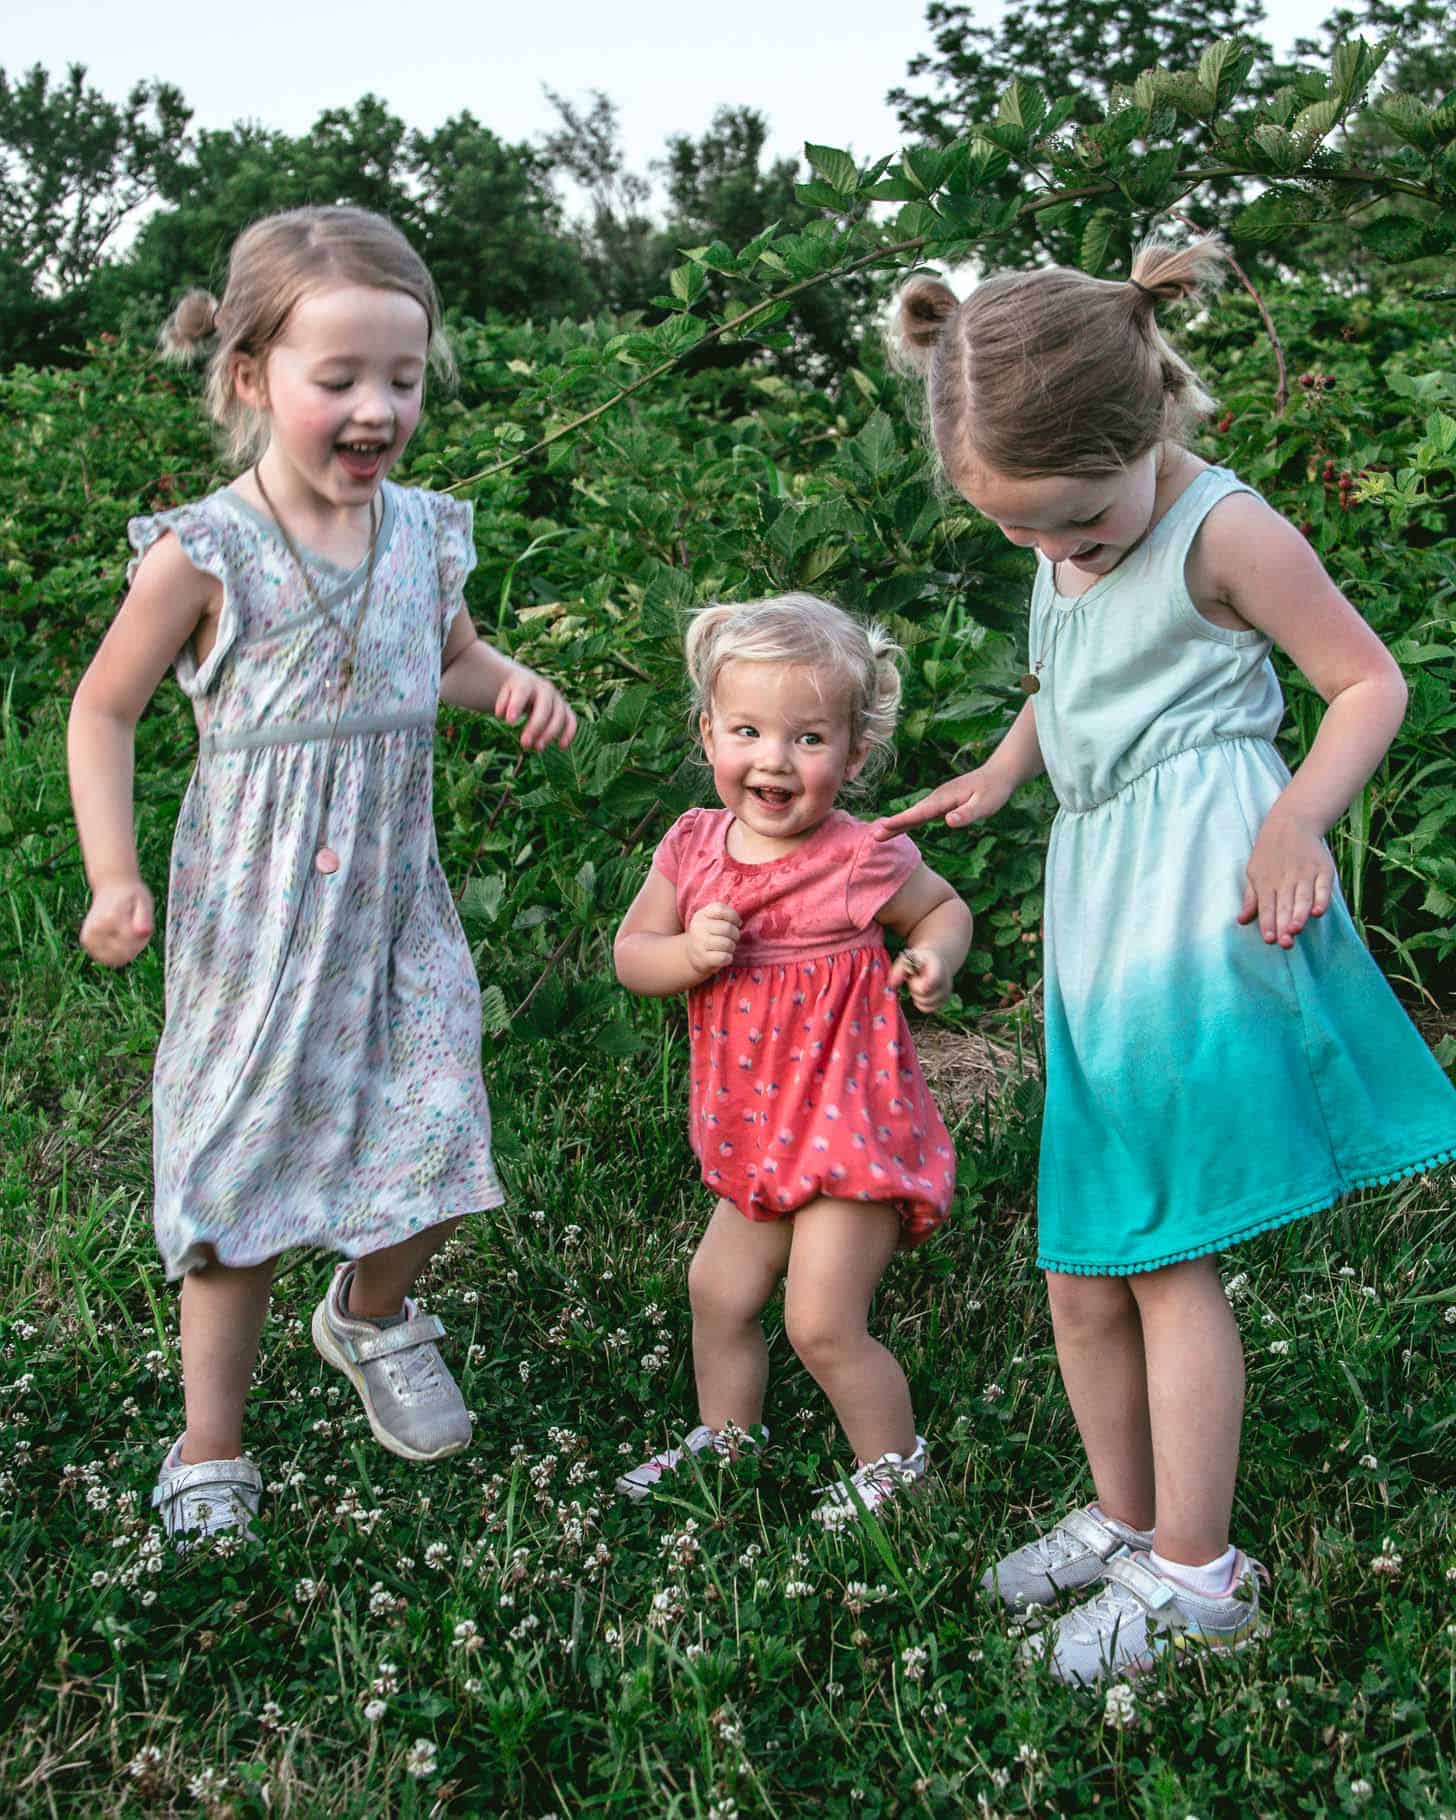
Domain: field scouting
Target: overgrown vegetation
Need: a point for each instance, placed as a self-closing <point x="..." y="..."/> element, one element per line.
<point x="498" y="1636"/>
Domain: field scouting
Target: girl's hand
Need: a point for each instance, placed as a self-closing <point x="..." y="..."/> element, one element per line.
<point x="965" y="799"/>
<point x="548" y="719"/>
<point x="928" y="975"/>
<point x="1290" y="876"/>
<point x="713" y="937"/>
<point x="119" y="923"/>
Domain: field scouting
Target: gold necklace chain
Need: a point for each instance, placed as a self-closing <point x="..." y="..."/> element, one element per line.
<point x="325" y="859"/>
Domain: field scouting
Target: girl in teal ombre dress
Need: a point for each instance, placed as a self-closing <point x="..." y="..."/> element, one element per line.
<point x="1222" y="1054"/>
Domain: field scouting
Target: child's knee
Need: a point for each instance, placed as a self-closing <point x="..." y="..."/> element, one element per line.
<point x="715" y="1296"/>
<point x="820" y="1335"/>
<point x="1088" y="1305"/>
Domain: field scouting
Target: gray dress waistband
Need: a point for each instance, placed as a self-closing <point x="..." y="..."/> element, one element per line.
<point x="294" y="732"/>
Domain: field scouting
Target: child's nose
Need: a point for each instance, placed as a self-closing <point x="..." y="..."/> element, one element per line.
<point x="1058" y="549"/>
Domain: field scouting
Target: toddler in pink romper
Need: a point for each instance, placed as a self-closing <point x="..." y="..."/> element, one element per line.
<point x="804" y="1078"/>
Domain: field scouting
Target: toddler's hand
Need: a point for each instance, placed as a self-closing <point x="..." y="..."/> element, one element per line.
<point x="119" y="923"/>
<point x="928" y="976"/>
<point x="1291" y="878"/>
<point x="965" y="799"/>
<point x="713" y="937"/>
<point x="548" y="718"/>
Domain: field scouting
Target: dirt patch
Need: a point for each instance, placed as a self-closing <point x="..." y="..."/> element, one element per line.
<point x="962" y="1065"/>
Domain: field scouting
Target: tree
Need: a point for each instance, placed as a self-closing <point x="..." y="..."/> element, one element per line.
<point x="1076" y="49"/>
<point x="73" y="167"/>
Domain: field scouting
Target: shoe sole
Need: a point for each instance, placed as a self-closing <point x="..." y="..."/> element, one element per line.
<point x="637" y="1493"/>
<point x="327" y="1349"/>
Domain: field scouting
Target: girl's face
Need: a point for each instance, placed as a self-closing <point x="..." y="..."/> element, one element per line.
<point x="1089" y="521"/>
<point x="778" y="739"/>
<point x="342" y="387"/>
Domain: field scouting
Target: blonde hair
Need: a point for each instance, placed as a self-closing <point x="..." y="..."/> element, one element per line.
<point x="1055" y="372"/>
<point x="273" y="264"/>
<point x="802" y="629"/>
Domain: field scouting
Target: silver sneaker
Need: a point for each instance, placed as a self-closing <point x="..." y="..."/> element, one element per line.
<point x="1140" y="1614"/>
<point x="413" y="1404"/>
<point x="1071" y="1555"/>
<point x="871" y="1485"/>
<point x="206" y="1498"/>
<point x="643" y="1480"/>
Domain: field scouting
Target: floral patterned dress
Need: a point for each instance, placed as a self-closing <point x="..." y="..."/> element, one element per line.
<point x="805" y="1081"/>
<point x="318" y="1078"/>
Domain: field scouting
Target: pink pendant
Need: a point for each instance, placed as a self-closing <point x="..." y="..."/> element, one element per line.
<point x="326" y="860"/>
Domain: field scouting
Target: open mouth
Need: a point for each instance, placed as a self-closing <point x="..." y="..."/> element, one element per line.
<point x="361" y="460"/>
<point x="771" y="797"/>
<point x="1091" y="553"/>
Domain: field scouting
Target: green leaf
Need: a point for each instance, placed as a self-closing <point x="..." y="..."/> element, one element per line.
<point x="837" y="168"/>
<point x="1270" y="217"/>
<point x="688" y="283"/>
<point x="481" y="899"/>
<point x="1096" y="239"/>
<point x="619" y="1039"/>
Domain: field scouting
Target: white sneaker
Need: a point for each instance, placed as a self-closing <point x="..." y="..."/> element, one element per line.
<point x="871" y="1485"/>
<point x="1072" y="1554"/>
<point x="1141" y="1613"/>
<point x="643" y="1480"/>
<point x="205" y="1498"/>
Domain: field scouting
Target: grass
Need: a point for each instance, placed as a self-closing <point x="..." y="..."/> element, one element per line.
<point x="499" y="1635"/>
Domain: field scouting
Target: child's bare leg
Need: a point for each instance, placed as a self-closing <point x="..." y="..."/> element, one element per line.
<point x="839" y="1253"/>
<point x="1196" y="1401"/>
<point x="734" y="1271"/>
<point x="1100" y="1350"/>
<point x="383" y="1279"/>
<point x="223" y="1311"/>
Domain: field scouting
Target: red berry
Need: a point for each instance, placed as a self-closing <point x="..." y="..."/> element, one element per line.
<point x="1306" y="379"/>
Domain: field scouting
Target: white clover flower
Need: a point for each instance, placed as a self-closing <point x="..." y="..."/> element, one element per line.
<point x="467" y="1635"/>
<point x="101" y="1577"/>
<point x="1361" y="1789"/>
<point x="993" y="1393"/>
<point x="913" y="1662"/>
<point x="1347" y="1270"/>
<point x="147" y="1760"/>
<point x="304" y="1590"/>
<point x="423" y="1758"/>
<point x="206" y="1785"/>
<point x="374" y="1710"/>
<point x="436" y="1554"/>
<point x="1387" y="1562"/>
<point x="1027" y="1754"/>
<point x="1236" y="1285"/>
<point x="1279" y="1347"/>
<point x="1450" y="1316"/>
<point x="797" y="1589"/>
<point x="1369" y="1462"/>
<point x="269" y="1715"/>
<point x="1120" y="1707"/>
<point x="693" y="1651"/>
<point x="525" y="1371"/>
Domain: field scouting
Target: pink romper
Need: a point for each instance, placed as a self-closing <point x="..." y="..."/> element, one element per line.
<point x="804" y="1077"/>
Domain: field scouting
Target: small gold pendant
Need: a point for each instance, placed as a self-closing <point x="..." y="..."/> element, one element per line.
<point x="326" y="861"/>
<point x="1030" y="684"/>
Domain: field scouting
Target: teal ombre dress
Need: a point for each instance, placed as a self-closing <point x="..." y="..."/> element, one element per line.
<point x="1201" y="1085"/>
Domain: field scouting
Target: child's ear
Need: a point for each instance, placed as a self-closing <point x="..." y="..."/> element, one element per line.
<point x="705" y="731"/>
<point x="856" y="762"/>
<point x="250" y="381"/>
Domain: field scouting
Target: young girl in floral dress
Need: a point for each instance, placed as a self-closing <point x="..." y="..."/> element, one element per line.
<point x="318" y="1077"/>
<point x="809" y="1114"/>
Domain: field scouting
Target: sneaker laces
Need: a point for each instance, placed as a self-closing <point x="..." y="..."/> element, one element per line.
<point x="417" y="1371"/>
<point x="1056" y="1548"/>
<point x="1110" y="1611"/>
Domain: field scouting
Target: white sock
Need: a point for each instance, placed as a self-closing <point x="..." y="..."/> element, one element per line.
<point x="1211" y="1581"/>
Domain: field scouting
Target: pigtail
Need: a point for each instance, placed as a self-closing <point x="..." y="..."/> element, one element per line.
<point x="192" y="324"/>
<point x="1170" y="271"/>
<point x="918" y="319"/>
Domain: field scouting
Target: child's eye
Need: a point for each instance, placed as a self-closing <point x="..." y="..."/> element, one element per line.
<point x="746" y="732"/>
<point x="336" y="385"/>
<point x="406" y="385"/>
<point x="1085" y="524"/>
<point x="813" y="739"/>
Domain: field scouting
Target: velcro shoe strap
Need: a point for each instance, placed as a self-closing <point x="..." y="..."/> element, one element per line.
<point x="1150" y="1590"/>
<point x="1083" y="1527"/>
<point x="418" y="1332"/>
<point x="241" y="1473"/>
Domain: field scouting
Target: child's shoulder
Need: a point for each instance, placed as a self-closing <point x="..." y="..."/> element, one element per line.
<point x="198" y="527"/>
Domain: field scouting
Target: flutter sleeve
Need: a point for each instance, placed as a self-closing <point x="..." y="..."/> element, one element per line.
<point x="455" y="552"/>
<point x="876" y="873"/>
<point x="202" y="545"/>
<point x="668" y="859"/>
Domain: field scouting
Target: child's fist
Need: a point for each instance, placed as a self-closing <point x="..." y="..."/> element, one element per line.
<point x="713" y="937"/>
<point x="928" y="976"/>
<point x="119" y="923"/>
<point x="548" y="718"/>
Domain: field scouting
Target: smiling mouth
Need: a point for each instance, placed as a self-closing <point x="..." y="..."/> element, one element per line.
<point x="361" y="458"/>
<point x="770" y="796"/>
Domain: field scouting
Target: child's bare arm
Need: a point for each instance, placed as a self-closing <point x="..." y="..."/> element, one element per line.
<point x="163" y="608"/>
<point x="653" y="953"/>
<point x="474" y="674"/>
<point x="979" y="793"/>
<point x="936" y="925"/>
<point x="1252" y="561"/>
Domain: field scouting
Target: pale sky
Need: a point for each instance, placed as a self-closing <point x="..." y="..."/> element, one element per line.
<point x="819" y="69"/>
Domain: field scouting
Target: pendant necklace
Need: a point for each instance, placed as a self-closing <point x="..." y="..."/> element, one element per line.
<point x="325" y="859"/>
<point x="1031" y="683"/>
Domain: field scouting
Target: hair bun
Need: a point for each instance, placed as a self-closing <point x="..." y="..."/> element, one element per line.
<point x="193" y="322"/>
<point x="1172" y="271"/>
<point x="921" y="310"/>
